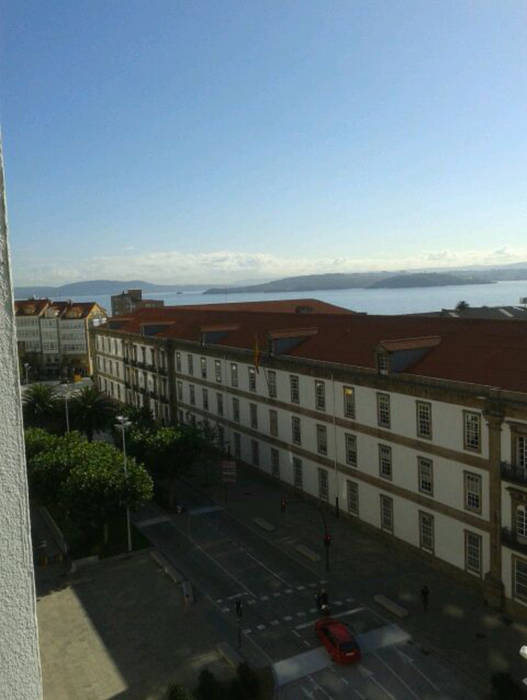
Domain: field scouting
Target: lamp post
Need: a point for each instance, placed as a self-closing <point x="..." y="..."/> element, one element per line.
<point x="122" y="424"/>
<point x="327" y="537"/>
<point x="66" y="407"/>
<point x="27" y="367"/>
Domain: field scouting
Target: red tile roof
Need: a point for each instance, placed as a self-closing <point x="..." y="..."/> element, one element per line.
<point x="410" y="343"/>
<point x="480" y="351"/>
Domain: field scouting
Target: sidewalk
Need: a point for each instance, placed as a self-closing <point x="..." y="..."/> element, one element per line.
<point x="457" y="626"/>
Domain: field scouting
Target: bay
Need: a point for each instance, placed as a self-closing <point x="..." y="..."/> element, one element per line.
<point x="371" y="301"/>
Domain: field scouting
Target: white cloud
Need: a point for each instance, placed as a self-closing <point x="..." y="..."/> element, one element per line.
<point x="174" y="267"/>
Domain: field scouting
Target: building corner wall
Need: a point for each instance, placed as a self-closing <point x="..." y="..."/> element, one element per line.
<point x="20" y="674"/>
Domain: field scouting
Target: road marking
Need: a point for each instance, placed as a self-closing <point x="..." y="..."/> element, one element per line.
<point x="247" y="631"/>
<point x="275" y="622"/>
<point x="296" y="633"/>
<point x="219" y="600"/>
<point x="154" y="521"/>
<point x="359" y="694"/>
<point x="306" y="643"/>
<point x="350" y="600"/>
<point x="349" y="612"/>
<point x="287" y="618"/>
<point x="233" y="596"/>
<point x="264" y="566"/>
<point x="338" y="602"/>
<point x="225" y="610"/>
<point x="203" y="510"/>
<point x="300" y="614"/>
<point x="288" y="590"/>
<point x="252" y="602"/>
<point x="311" y="585"/>
<point x="300" y="588"/>
<point x="319" y="687"/>
<point x="264" y="597"/>
<point x="260" y="627"/>
<point x="312" y="610"/>
<point x="276" y="595"/>
<point x="409" y="660"/>
<point x="399" y="678"/>
<point x="344" y="680"/>
<point x="366" y="673"/>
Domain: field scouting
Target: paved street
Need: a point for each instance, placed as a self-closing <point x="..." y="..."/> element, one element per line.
<point x="227" y="559"/>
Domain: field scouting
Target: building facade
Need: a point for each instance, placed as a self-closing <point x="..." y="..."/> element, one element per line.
<point x="416" y="426"/>
<point x="132" y="300"/>
<point x="53" y="336"/>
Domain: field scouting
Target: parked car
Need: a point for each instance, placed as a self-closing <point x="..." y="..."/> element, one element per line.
<point x="338" y="639"/>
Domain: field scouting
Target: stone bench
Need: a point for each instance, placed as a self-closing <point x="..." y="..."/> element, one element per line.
<point x="230" y="655"/>
<point x="167" y="567"/>
<point x="306" y="552"/>
<point x="264" y="524"/>
<point x="389" y="605"/>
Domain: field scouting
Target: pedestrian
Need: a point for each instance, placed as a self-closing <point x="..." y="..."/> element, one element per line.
<point x="323" y="598"/>
<point x="425" y="592"/>
<point x="318" y="598"/>
<point x="238" y="605"/>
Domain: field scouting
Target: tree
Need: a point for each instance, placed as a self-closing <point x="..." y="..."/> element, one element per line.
<point x="37" y="440"/>
<point x="91" y="411"/>
<point x="462" y="305"/>
<point x="40" y="406"/>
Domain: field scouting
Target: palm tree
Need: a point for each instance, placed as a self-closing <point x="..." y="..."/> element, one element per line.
<point x="40" y="405"/>
<point x="91" y="410"/>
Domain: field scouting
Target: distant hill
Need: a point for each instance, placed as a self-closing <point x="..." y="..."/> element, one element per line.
<point x="96" y="287"/>
<point x="308" y="283"/>
<point x="428" y="279"/>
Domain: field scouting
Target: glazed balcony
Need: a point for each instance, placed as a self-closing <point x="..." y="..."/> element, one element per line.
<point x="513" y="541"/>
<point x="513" y="473"/>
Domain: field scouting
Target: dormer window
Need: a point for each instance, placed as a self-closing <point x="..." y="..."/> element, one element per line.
<point x="383" y="363"/>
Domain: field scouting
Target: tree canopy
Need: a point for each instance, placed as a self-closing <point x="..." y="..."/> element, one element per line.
<point x="40" y="403"/>
<point x="91" y="411"/>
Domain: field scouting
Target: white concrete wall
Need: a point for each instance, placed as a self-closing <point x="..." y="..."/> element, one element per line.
<point x="20" y="675"/>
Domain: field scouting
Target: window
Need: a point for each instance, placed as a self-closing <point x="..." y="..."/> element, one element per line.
<point x="472" y="492"/>
<point x="296" y="433"/>
<point x="323" y="488"/>
<point x="426" y="531"/>
<point x="521" y="521"/>
<point x="273" y="422"/>
<point x="275" y="462"/>
<point x="298" y="478"/>
<point x="237" y="444"/>
<point x="205" y="399"/>
<point x="351" y="450"/>
<point x="271" y="383"/>
<point x="386" y="513"/>
<point x="234" y="374"/>
<point x="203" y="363"/>
<point x="349" y="401"/>
<point x="219" y="404"/>
<point x="352" y="492"/>
<point x="192" y="393"/>
<point x="217" y="370"/>
<point x="320" y="395"/>
<point x="521" y="452"/>
<point x="385" y="461"/>
<point x="253" y="408"/>
<point x="424" y="419"/>
<point x="255" y="452"/>
<point x="425" y="476"/>
<point x="252" y="379"/>
<point x="322" y="439"/>
<point x="295" y="389"/>
<point x="471" y="431"/>
<point x="383" y="410"/>
<point x="190" y="361"/>
<point x="236" y="410"/>
<point x="472" y="552"/>
<point x="382" y="363"/>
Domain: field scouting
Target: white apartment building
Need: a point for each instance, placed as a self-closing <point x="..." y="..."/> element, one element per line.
<point x="416" y="426"/>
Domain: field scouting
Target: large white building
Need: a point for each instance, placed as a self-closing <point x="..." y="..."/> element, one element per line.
<point x="417" y="426"/>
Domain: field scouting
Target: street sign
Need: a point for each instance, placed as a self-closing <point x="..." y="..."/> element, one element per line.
<point x="228" y="471"/>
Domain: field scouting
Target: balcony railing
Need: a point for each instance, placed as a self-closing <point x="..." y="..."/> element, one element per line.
<point x="511" y="539"/>
<point x="511" y="472"/>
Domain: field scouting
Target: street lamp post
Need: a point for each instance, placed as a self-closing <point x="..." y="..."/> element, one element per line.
<point x="122" y="424"/>
<point x="27" y="367"/>
<point x="66" y="407"/>
<point x="327" y="537"/>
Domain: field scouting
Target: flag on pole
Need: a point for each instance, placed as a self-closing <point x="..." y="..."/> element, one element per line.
<point x="257" y="354"/>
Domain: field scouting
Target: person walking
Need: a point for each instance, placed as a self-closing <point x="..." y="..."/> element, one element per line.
<point x="239" y="609"/>
<point x="425" y="592"/>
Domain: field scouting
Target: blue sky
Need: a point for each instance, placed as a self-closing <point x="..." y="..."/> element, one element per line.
<point x="182" y="141"/>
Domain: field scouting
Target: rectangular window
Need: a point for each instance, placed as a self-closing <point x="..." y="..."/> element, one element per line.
<point x="471" y="431"/>
<point x="192" y="393"/>
<point x="295" y="388"/>
<point x="472" y="552"/>
<point x="323" y="486"/>
<point x="236" y="410"/>
<point x="234" y="374"/>
<point x="425" y="476"/>
<point x="252" y="379"/>
<point x="190" y="361"/>
<point x="383" y="410"/>
<point x="520" y="579"/>
<point x="352" y="492"/>
<point x="255" y="450"/>
<point x="382" y="363"/>
<point x="203" y="364"/>
<point x="296" y="433"/>
<point x="424" y="419"/>
<point x="237" y="445"/>
<point x="217" y="370"/>
<point x="426" y="531"/>
<point x="205" y="399"/>
<point x="351" y="450"/>
<point x="273" y="422"/>
<point x="385" y="461"/>
<point x="322" y="439"/>
<point x="275" y="462"/>
<point x="219" y="404"/>
<point x="472" y="492"/>
<point x="253" y="409"/>
<point x="271" y="383"/>
<point x="298" y="477"/>
<point x="349" y="401"/>
<point x="320" y="395"/>
<point x="386" y="513"/>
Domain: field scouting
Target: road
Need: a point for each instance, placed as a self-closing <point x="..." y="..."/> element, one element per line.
<point x="226" y="560"/>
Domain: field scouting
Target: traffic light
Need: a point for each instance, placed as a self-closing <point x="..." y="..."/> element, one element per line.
<point x="327" y="539"/>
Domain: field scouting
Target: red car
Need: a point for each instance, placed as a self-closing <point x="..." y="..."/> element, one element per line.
<point x="337" y="638"/>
